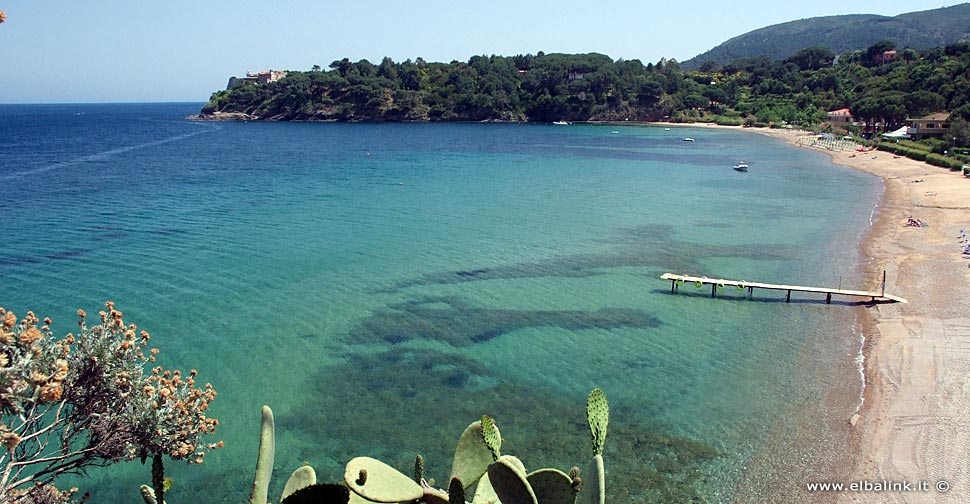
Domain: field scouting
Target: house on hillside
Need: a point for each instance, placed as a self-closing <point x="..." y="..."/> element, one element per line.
<point x="840" y="117"/>
<point x="256" y="78"/>
<point x="934" y="125"/>
<point x="885" y="57"/>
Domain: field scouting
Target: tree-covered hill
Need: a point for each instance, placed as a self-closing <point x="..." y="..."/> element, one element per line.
<point x="918" y="30"/>
<point x="593" y="87"/>
<point x="541" y="87"/>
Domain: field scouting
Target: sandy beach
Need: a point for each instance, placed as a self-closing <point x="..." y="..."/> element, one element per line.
<point x="915" y="424"/>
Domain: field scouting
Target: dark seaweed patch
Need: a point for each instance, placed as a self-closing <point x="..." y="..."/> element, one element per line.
<point x="60" y="255"/>
<point x="453" y="321"/>
<point x="650" y="246"/>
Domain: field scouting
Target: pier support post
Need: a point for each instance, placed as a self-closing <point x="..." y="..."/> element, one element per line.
<point x="828" y="298"/>
<point x="673" y="284"/>
<point x="788" y="296"/>
<point x="750" y="292"/>
<point x="713" y="290"/>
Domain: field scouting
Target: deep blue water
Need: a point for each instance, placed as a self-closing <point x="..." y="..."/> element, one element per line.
<point x="383" y="285"/>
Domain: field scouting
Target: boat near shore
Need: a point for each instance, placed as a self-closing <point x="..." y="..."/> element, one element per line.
<point x="741" y="167"/>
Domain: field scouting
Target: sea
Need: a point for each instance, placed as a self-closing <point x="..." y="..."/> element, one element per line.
<point x="380" y="286"/>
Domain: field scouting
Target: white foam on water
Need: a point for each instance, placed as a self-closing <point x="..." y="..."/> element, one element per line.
<point x="102" y="156"/>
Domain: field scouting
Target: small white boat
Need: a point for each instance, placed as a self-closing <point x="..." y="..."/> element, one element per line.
<point x="688" y="139"/>
<point x="561" y="123"/>
<point x="741" y="167"/>
<point x="666" y="129"/>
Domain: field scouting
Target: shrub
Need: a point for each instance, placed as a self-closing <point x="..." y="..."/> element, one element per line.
<point x="936" y="145"/>
<point x="915" y="145"/>
<point x="902" y="150"/>
<point x="939" y="160"/>
<point x="88" y="400"/>
<point x="728" y="121"/>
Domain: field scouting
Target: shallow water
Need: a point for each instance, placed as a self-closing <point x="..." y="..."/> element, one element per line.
<point x="383" y="285"/>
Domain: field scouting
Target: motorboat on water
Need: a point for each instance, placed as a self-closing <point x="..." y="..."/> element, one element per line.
<point x="742" y="166"/>
<point x="688" y="139"/>
<point x="560" y="123"/>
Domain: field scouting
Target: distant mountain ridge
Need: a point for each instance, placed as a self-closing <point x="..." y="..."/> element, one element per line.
<point x="919" y="30"/>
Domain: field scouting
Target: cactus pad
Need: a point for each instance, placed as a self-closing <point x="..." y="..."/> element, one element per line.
<point x="598" y="416"/>
<point x="594" y="489"/>
<point x="509" y="481"/>
<point x="418" y="468"/>
<point x="383" y="482"/>
<point x="148" y="494"/>
<point x="484" y="493"/>
<point x="456" y="492"/>
<point x="301" y="478"/>
<point x="264" y="461"/>
<point x="327" y="492"/>
<point x="472" y="455"/>
<point x="434" y="496"/>
<point x="552" y="486"/>
<point x="492" y="437"/>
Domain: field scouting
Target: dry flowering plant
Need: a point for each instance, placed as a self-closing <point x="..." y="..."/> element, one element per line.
<point x="90" y="399"/>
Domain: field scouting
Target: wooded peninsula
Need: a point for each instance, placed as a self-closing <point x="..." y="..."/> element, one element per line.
<point x="882" y="87"/>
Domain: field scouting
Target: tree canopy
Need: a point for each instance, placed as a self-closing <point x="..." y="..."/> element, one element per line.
<point x="594" y="87"/>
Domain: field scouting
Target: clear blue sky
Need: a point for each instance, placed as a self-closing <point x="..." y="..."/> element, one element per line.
<point x="182" y="50"/>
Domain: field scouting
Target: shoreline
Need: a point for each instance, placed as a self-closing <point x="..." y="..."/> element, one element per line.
<point x="912" y="425"/>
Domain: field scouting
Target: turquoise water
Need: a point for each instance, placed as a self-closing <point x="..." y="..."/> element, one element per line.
<point x="383" y="285"/>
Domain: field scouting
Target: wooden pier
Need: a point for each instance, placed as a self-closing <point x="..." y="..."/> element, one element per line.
<point x="717" y="283"/>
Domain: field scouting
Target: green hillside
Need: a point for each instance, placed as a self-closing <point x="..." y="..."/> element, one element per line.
<point x="919" y="30"/>
<point x="593" y="87"/>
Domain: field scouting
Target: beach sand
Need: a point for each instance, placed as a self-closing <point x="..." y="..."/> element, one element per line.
<point x="915" y="423"/>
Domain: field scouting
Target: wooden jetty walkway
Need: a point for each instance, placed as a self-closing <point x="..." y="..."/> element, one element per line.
<point x="716" y="283"/>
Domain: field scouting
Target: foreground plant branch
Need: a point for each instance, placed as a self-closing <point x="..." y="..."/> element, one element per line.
<point x="90" y="400"/>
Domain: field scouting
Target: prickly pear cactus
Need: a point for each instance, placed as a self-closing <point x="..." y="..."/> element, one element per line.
<point x="473" y="455"/>
<point x="264" y="461"/>
<point x="491" y="436"/>
<point x="315" y="494"/>
<point x="594" y="489"/>
<point x="508" y="478"/>
<point x="379" y="482"/>
<point x="484" y="493"/>
<point x="148" y="494"/>
<point x="301" y="478"/>
<point x="552" y="486"/>
<point x="456" y="492"/>
<point x="418" y="468"/>
<point x="598" y="416"/>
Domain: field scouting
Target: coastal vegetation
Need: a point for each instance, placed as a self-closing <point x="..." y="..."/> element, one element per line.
<point x="91" y="399"/>
<point x="798" y="90"/>
<point x="479" y="471"/>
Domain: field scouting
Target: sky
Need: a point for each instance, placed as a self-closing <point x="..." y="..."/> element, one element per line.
<point x="65" y="51"/>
